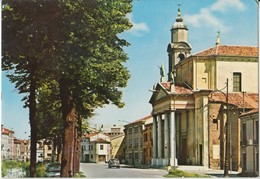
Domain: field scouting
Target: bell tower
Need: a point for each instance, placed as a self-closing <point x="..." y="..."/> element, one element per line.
<point x="179" y="48"/>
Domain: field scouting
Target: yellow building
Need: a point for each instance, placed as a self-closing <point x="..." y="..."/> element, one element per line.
<point x="204" y="93"/>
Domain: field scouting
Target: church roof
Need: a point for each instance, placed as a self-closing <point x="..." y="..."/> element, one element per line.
<point x="250" y="99"/>
<point x="227" y="50"/>
<point x="180" y="89"/>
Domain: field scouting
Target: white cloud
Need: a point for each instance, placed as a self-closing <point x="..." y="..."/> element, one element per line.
<point x="206" y="16"/>
<point x="225" y="5"/>
<point x="138" y="28"/>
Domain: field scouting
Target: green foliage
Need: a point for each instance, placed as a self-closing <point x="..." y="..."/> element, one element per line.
<point x="40" y="170"/>
<point x="178" y="173"/>
<point x="79" y="175"/>
<point x="45" y="41"/>
<point x="9" y="164"/>
<point x="4" y="169"/>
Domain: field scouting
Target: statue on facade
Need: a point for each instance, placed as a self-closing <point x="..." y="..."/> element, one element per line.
<point x="162" y="72"/>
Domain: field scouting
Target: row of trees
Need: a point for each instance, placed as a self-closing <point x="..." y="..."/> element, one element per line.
<point x="67" y="58"/>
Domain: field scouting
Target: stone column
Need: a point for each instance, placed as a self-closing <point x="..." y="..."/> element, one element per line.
<point x="173" y="161"/>
<point x="166" y="139"/>
<point x="154" y="139"/>
<point x="159" y="136"/>
<point x="166" y="136"/>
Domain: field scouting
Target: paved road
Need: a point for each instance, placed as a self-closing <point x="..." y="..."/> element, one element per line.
<point x="93" y="170"/>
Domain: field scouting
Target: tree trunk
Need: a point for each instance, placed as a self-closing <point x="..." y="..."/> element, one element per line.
<point x="77" y="149"/>
<point x="33" y="124"/>
<point x="59" y="148"/>
<point x="68" y="117"/>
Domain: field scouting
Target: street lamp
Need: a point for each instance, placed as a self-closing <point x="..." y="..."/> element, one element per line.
<point x="226" y="165"/>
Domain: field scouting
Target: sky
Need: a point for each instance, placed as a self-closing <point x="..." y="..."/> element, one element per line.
<point x="237" y="21"/>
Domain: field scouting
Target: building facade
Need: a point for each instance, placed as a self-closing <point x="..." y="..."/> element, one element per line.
<point x="134" y="141"/>
<point x="95" y="147"/>
<point x="204" y="93"/>
<point x="147" y="144"/>
<point x="7" y="144"/>
<point x="250" y="143"/>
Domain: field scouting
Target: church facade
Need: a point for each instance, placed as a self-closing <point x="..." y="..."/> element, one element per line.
<point x="196" y="110"/>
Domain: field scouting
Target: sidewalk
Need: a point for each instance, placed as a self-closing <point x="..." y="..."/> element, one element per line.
<point x="206" y="171"/>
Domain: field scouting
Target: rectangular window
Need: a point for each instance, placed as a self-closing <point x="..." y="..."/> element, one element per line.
<point x="130" y="155"/>
<point x="130" y="143"/>
<point x="136" y="142"/>
<point x="244" y="134"/>
<point x="101" y="147"/>
<point x="130" y="131"/>
<point x="145" y="137"/>
<point x="136" y="156"/>
<point x="136" y="129"/>
<point x="236" y="82"/>
<point x="257" y="132"/>
<point x="244" y="161"/>
<point x="257" y="162"/>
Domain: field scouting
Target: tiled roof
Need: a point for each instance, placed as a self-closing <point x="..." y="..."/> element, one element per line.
<point x="250" y="99"/>
<point x="100" y="140"/>
<point x="142" y="119"/>
<point x="88" y="135"/>
<point x="253" y="111"/>
<point x="6" y="131"/>
<point x="180" y="89"/>
<point x="230" y="51"/>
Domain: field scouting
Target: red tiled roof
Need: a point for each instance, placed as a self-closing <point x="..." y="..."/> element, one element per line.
<point x="180" y="89"/>
<point x="6" y="131"/>
<point x="142" y="119"/>
<point x="230" y="51"/>
<point x="100" y="140"/>
<point x="250" y="99"/>
<point x="87" y="135"/>
<point x="250" y="112"/>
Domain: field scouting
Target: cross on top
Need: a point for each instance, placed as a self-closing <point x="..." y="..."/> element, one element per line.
<point x="179" y="7"/>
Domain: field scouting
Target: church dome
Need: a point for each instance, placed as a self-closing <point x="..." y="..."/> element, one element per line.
<point x="179" y="24"/>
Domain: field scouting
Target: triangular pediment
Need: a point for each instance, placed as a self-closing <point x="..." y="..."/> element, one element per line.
<point x="159" y="92"/>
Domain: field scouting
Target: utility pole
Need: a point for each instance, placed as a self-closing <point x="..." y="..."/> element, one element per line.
<point x="227" y="138"/>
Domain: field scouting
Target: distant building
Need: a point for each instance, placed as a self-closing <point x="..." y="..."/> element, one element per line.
<point x="117" y="150"/>
<point x="7" y="144"/>
<point x="21" y="150"/>
<point x="111" y="129"/>
<point x="45" y="151"/>
<point x="250" y="143"/>
<point x="134" y="133"/>
<point x="95" y="147"/>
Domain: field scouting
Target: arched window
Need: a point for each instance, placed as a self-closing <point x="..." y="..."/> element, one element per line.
<point x="181" y="56"/>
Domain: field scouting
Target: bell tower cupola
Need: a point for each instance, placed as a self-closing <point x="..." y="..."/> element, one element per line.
<point x="179" y="48"/>
<point x="179" y="31"/>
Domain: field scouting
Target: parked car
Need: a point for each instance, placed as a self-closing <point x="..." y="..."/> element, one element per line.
<point x="53" y="170"/>
<point x="114" y="163"/>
